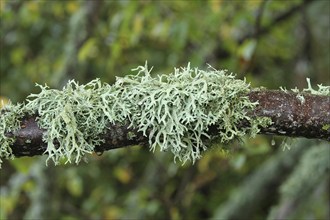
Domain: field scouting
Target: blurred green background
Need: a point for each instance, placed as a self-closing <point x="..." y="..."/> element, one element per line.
<point x="271" y="43"/>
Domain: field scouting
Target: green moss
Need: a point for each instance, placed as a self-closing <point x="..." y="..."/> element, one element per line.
<point x="174" y="111"/>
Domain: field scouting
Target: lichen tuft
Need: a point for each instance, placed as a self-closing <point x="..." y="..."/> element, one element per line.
<point x="174" y="111"/>
<point x="10" y="116"/>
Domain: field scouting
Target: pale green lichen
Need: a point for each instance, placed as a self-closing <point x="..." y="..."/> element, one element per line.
<point x="130" y="135"/>
<point x="174" y="111"/>
<point x="301" y="98"/>
<point x="9" y="122"/>
<point x="322" y="90"/>
<point x="326" y="126"/>
<point x="73" y="117"/>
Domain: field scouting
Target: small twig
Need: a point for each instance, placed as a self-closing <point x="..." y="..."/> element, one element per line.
<point x="260" y="13"/>
<point x="260" y="31"/>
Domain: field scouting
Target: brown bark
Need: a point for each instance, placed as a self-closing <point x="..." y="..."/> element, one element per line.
<point x="290" y="116"/>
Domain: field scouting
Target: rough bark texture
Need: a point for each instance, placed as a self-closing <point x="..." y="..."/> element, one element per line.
<point x="291" y="117"/>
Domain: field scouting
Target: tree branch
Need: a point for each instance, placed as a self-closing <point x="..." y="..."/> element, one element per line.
<point x="291" y="116"/>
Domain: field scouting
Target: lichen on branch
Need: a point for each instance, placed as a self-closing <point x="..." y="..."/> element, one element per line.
<point x="174" y="111"/>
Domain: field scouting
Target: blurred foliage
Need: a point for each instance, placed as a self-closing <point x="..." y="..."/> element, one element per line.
<point x="53" y="41"/>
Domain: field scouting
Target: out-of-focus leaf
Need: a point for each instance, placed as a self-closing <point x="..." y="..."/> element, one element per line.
<point x="3" y="101"/>
<point x="88" y="50"/>
<point x="112" y="212"/>
<point x="69" y="217"/>
<point x="24" y="164"/>
<point x="74" y="183"/>
<point x="247" y="49"/>
<point x="17" y="55"/>
<point x="7" y="205"/>
<point x="123" y="174"/>
<point x="72" y="6"/>
<point x="238" y="161"/>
